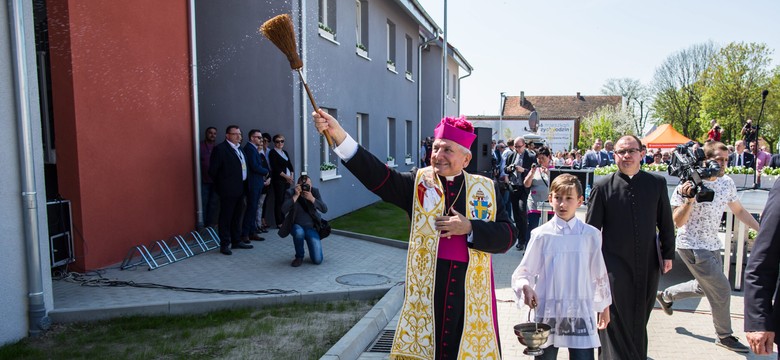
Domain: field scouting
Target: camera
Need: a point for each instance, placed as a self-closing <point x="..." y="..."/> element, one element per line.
<point x="689" y="165"/>
<point x="305" y="187"/>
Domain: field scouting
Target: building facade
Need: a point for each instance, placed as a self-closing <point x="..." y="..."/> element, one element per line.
<point x="121" y="92"/>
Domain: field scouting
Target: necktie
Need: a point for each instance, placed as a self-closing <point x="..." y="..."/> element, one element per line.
<point x="741" y="161"/>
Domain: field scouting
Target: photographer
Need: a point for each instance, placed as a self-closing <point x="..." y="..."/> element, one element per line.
<point x="302" y="205"/>
<point x="715" y="131"/>
<point x="699" y="246"/>
<point x="749" y="131"/>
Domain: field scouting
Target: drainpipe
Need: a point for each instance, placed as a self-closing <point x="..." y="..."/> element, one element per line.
<point x="195" y="114"/>
<point x="423" y="45"/>
<point x="460" y="91"/>
<point x="38" y="321"/>
<point x="303" y="96"/>
<point x="444" y="66"/>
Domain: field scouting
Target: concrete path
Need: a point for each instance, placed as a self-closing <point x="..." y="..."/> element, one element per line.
<point x="265" y="270"/>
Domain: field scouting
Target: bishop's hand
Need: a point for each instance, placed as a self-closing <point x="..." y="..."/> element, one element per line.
<point x="455" y="224"/>
<point x="323" y="121"/>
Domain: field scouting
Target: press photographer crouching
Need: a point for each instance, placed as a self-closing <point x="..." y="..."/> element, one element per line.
<point x="697" y="210"/>
<point x="302" y="207"/>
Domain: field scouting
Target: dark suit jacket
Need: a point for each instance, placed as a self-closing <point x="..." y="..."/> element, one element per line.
<point x="775" y="162"/>
<point x="225" y="170"/>
<point x="748" y="159"/>
<point x="255" y="171"/>
<point x="278" y="163"/>
<point x="762" y="272"/>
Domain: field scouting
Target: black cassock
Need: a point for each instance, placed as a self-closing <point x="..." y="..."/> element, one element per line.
<point x="629" y="211"/>
<point x="492" y="237"/>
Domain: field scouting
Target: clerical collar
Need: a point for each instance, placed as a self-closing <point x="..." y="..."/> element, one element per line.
<point x="450" y="178"/>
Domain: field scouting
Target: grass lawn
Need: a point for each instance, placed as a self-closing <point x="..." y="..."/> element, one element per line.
<point x="291" y="331"/>
<point x="379" y="219"/>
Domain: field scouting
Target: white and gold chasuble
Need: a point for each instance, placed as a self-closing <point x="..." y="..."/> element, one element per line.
<point x="415" y="333"/>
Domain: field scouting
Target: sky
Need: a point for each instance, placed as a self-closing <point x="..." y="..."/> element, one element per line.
<point x="563" y="47"/>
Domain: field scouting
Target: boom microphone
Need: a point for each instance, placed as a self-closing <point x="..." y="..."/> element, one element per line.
<point x="764" y="94"/>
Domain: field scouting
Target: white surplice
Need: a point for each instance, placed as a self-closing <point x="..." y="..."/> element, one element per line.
<point x="564" y="265"/>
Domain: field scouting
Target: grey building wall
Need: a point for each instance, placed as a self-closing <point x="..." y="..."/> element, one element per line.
<point x="244" y="79"/>
<point x="13" y="288"/>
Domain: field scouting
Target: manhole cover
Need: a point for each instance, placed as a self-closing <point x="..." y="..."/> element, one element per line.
<point x="363" y="279"/>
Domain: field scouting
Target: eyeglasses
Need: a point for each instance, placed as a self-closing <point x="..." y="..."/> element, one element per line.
<point x="279" y="141"/>
<point x="624" y="152"/>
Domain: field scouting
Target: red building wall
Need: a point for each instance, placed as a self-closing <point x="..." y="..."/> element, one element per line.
<point x="123" y="122"/>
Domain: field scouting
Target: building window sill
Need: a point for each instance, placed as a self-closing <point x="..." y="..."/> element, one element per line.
<point x="391" y="68"/>
<point x="328" y="36"/>
<point x="362" y="53"/>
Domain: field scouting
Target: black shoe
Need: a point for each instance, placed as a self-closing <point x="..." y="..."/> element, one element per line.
<point x="665" y="306"/>
<point x="732" y="343"/>
<point x="297" y="262"/>
<point x="241" y="245"/>
<point x="264" y="229"/>
<point x="225" y="250"/>
<point x="256" y="237"/>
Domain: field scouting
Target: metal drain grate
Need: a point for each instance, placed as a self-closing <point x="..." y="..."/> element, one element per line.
<point x="383" y="343"/>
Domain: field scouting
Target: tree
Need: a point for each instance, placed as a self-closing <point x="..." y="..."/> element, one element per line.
<point x="606" y="123"/>
<point x="638" y="99"/>
<point x="678" y="86"/>
<point x="735" y="78"/>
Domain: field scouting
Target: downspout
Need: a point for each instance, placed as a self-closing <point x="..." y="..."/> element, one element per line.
<point x="38" y="321"/>
<point x="444" y="66"/>
<point x="420" y="48"/>
<point x="460" y="90"/>
<point x="303" y="97"/>
<point x="195" y="114"/>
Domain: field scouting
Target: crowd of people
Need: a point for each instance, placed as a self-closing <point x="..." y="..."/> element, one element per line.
<point x="240" y="184"/>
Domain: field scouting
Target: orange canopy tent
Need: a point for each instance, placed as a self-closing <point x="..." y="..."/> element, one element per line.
<point x="664" y="136"/>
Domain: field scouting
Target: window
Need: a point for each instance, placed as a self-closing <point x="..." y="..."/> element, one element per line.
<point x="327" y="16"/>
<point x="326" y="153"/>
<point x="361" y="29"/>
<point x="454" y="87"/>
<point x="408" y="148"/>
<point x="409" y="61"/>
<point x="362" y="129"/>
<point x="390" y="43"/>
<point x="391" y="151"/>
<point x="447" y="84"/>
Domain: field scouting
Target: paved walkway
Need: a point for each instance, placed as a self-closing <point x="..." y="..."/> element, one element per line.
<point x="688" y="334"/>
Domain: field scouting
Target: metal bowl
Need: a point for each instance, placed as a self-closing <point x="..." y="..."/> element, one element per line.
<point x="532" y="335"/>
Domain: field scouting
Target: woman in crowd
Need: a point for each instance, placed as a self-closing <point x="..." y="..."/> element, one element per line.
<point x="538" y="183"/>
<point x="282" y="176"/>
<point x="303" y="204"/>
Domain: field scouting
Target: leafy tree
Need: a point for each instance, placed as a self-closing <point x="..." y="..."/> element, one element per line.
<point x="606" y="123"/>
<point x="735" y="78"/>
<point x="638" y="99"/>
<point x="679" y="88"/>
<point x="770" y="121"/>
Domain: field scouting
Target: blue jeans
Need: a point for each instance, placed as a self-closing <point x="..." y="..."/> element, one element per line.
<point x="299" y="234"/>
<point x="551" y="353"/>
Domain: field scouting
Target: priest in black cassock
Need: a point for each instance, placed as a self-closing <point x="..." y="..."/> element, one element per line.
<point x="457" y="222"/>
<point x="629" y="206"/>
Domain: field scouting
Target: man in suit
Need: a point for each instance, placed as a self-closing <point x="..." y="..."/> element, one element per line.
<point x="762" y="317"/>
<point x="256" y="173"/>
<point x="775" y="161"/>
<point x="609" y="148"/>
<point x="740" y="157"/>
<point x="519" y="167"/>
<point x="229" y="171"/>
<point x="595" y="157"/>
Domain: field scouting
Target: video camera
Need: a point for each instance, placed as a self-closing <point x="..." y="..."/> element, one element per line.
<point x="689" y="165"/>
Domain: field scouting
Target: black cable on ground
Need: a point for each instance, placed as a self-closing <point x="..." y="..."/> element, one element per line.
<point x="97" y="280"/>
